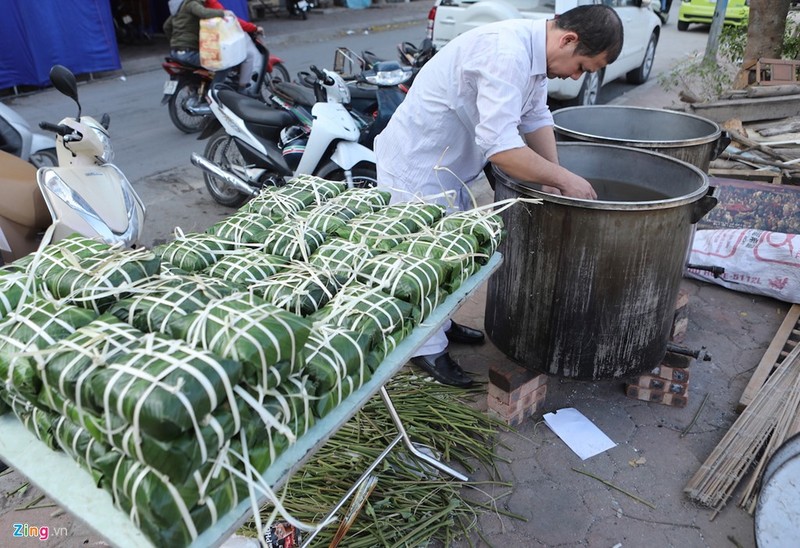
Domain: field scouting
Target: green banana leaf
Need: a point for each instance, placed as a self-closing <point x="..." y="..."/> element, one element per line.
<point x="488" y="228"/>
<point x="420" y="213"/>
<point x="300" y="288"/>
<point x="377" y="231"/>
<point x="341" y="257"/>
<point x="322" y="189"/>
<point x="363" y="200"/>
<point x="193" y="251"/>
<point x="459" y="251"/>
<point x="279" y="203"/>
<point x="404" y="276"/>
<point x="241" y="227"/>
<point x="333" y="353"/>
<point x="245" y="266"/>
<point x="291" y="238"/>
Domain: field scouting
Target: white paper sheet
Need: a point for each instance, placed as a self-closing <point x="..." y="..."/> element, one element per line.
<point x="578" y="432"/>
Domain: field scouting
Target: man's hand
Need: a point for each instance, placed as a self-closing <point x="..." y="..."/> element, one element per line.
<point x="575" y="186"/>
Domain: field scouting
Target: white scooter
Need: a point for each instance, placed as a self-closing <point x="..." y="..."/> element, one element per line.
<point x="261" y="146"/>
<point x="17" y="138"/>
<point x="85" y="194"/>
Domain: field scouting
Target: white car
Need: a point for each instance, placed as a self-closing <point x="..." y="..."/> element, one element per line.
<point x="642" y="27"/>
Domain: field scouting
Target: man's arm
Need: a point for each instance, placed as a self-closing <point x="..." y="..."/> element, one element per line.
<point x="538" y="163"/>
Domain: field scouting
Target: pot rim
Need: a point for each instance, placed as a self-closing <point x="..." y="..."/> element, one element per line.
<point x="677" y="201"/>
<point x="641" y="143"/>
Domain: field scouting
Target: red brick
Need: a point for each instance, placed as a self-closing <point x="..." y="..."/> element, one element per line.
<point x="676" y="374"/>
<point x="508" y="376"/>
<point x="656" y="396"/>
<point x="676" y="360"/>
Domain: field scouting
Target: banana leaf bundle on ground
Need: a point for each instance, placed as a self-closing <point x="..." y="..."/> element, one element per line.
<point x="370" y="311"/>
<point x="242" y="227"/>
<point x="245" y="266"/>
<point x="407" y="277"/>
<point x="322" y="189"/>
<point x="341" y="257"/>
<point x="78" y="444"/>
<point x="363" y="200"/>
<point x="279" y="203"/>
<point x="333" y="353"/>
<point x="378" y="231"/>
<point x="99" y="281"/>
<point x="420" y="213"/>
<point x="26" y="332"/>
<point x="301" y="288"/>
<point x="266" y="339"/>
<point x="485" y="226"/>
<point x="164" y="387"/>
<point x="458" y="251"/>
<point x="193" y="251"/>
<point x="292" y="238"/>
<point x="157" y="303"/>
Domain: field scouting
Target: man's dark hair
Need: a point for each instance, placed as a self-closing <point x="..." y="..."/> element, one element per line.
<point x="598" y="27"/>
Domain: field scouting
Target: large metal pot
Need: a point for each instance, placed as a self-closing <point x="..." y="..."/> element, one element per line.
<point x="588" y="288"/>
<point x="686" y="137"/>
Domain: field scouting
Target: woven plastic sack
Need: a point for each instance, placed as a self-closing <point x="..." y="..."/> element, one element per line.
<point x="164" y="387"/>
<point x="223" y="43"/>
<point x="266" y="339"/>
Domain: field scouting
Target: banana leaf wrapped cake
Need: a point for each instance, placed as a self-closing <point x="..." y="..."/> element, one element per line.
<point x="301" y="288"/>
<point x="242" y="227"/>
<point x="292" y="238"/>
<point x="193" y="251"/>
<point x="341" y="257"/>
<point x="458" y="251"/>
<point x="246" y="266"/>
<point x="363" y="200"/>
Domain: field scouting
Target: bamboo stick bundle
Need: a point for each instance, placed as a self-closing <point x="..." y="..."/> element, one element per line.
<point x="716" y="479"/>
<point x="785" y="427"/>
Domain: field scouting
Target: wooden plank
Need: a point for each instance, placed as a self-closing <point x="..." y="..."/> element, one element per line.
<point x="748" y="110"/>
<point x="772" y="357"/>
<point x="747" y="175"/>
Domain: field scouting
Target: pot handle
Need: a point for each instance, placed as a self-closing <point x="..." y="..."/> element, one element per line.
<point x="704" y="205"/>
<point x="721" y="144"/>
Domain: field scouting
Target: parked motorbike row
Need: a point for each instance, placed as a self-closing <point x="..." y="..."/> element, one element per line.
<point x="324" y="126"/>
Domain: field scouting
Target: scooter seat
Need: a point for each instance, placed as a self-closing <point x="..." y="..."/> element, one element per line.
<point x="296" y="93"/>
<point x="254" y="111"/>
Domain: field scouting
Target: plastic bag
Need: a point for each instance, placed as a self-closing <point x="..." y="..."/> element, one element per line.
<point x="755" y="261"/>
<point x="223" y="43"/>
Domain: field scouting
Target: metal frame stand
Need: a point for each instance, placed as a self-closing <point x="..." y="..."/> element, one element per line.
<point x="402" y="435"/>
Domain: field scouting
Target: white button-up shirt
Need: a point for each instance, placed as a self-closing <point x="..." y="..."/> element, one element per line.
<point x="472" y="100"/>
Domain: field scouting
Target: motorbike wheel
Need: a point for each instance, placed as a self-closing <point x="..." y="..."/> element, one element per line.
<point x="279" y="74"/>
<point x="181" y="118"/>
<point x="44" y="158"/>
<point x="222" y="150"/>
<point x="364" y="176"/>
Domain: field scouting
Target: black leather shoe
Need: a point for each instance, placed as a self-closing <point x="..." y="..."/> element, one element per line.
<point x="463" y="334"/>
<point x="443" y="369"/>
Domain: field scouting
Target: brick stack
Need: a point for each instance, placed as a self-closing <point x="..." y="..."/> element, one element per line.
<point x="669" y="382"/>
<point x="515" y="393"/>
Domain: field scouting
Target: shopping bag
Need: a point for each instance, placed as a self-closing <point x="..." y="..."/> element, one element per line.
<point x="223" y="43"/>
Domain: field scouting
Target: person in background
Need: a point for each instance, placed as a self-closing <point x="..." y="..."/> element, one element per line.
<point x="483" y="98"/>
<point x="183" y="30"/>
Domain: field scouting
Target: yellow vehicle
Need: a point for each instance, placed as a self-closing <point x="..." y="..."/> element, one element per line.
<point x="702" y="11"/>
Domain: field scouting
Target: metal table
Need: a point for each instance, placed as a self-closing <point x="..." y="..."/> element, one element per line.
<point x="60" y="477"/>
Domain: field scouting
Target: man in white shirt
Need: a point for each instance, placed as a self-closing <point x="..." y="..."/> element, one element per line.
<point x="483" y="98"/>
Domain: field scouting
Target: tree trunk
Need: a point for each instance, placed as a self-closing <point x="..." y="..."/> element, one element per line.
<point x="764" y="35"/>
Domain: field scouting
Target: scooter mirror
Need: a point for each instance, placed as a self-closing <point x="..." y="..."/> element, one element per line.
<point x="64" y="81"/>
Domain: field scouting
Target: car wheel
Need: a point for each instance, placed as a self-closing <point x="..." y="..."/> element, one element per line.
<point x="642" y="73"/>
<point x="683" y="25"/>
<point x="590" y="90"/>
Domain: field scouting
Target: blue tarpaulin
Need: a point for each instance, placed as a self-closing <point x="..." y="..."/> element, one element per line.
<point x="34" y="36"/>
<point x="79" y="34"/>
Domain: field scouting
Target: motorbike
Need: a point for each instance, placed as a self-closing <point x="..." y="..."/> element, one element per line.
<point x="84" y="194"/>
<point x="186" y="88"/>
<point x="299" y="8"/>
<point x="252" y="145"/>
<point x="17" y="138"/>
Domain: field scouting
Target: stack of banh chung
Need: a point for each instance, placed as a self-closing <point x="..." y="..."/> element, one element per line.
<point x="176" y="375"/>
